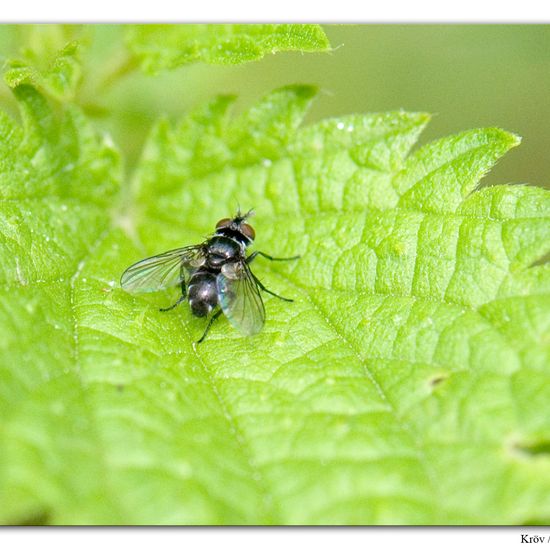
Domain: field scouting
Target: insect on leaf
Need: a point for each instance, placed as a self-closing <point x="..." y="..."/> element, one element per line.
<point x="407" y="383"/>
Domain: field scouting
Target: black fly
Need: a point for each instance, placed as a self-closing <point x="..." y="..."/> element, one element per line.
<point x="214" y="276"/>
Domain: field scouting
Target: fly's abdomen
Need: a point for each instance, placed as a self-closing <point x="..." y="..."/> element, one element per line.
<point x="202" y="293"/>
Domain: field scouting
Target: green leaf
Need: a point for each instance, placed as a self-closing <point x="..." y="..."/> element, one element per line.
<point x="58" y="179"/>
<point x="50" y="61"/>
<point x="169" y="46"/>
<point x="407" y="383"/>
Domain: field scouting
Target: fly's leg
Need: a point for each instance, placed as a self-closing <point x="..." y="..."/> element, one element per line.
<point x="212" y="319"/>
<point x="250" y="258"/>
<point x="180" y="299"/>
<point x="260" y="284"/>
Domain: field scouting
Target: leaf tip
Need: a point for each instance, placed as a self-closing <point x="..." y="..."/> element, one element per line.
<point x="515" y="139"/>
<point x="423" y="118"/>
<point x="419" y="119"/>
<point x="507" y="140"/>
<point x="302" y="91"/>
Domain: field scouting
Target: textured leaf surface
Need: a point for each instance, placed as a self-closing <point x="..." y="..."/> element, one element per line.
<point x="59" y="76"/>
<point x="169" y="46"/>
<point x="407" y="383"/>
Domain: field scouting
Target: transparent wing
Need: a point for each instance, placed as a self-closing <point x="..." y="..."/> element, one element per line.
<point x="162" y="271"/>
<point x="239" y="298"/>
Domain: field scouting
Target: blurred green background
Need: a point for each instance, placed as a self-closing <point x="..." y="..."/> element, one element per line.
<point x="467" y="75"/>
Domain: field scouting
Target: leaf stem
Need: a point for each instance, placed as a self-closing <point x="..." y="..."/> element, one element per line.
<point x="123" y="66"/>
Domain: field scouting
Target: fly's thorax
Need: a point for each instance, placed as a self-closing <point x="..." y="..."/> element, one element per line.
<point x="221" y="250"/>
<point x="202" y="293"/>
<point x="236" y="233"/>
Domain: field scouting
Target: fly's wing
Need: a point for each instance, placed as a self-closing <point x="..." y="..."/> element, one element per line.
<point x="162" y="271"/>
<point x="239" y="298"/>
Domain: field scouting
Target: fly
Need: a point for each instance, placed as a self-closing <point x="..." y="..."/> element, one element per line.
<point x="214" y="276"/>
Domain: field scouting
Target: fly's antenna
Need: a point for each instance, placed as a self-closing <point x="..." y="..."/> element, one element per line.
<point x="241" y="217"/>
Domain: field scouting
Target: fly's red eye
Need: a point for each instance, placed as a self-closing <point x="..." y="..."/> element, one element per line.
<point x="248" y="231"/>
<point x="223" y="223"/>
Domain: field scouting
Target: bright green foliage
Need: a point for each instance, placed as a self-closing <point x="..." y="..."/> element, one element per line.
<point x="58" y="180"/>
<point x="168" y="46"/>
<point x="59" y="76"/>
<point x="408" y="382"/>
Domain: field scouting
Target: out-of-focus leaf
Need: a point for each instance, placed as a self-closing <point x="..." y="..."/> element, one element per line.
<point x="59" y="77"/>
<point x="169" y="46"/>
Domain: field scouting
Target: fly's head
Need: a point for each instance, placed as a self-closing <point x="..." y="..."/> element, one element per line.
<point x="236" y="227"/>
